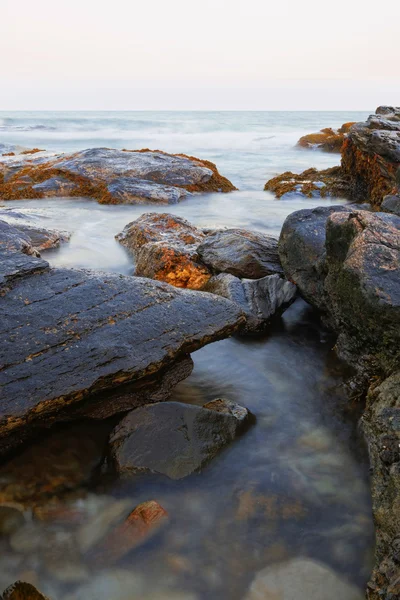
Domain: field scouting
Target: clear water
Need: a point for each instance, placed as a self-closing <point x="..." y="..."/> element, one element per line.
<point x="296" y="483"/>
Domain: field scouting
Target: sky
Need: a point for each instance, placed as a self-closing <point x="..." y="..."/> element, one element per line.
<point x="185" y="55"/>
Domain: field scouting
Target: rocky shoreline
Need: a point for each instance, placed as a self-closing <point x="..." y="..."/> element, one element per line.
<point x="78" y="344"/>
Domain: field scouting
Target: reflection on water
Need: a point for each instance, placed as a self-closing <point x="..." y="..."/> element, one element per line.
<point x="293" y="485"/>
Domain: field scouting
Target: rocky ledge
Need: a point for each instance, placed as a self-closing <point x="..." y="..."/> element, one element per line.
<point x="237" y="264"/>
<point x="327" y="140"/>
<point x="77" y="343"/>
<point x="370" y="159"/>
<point x="346" y="263"/>
<point x="110" y="176"/>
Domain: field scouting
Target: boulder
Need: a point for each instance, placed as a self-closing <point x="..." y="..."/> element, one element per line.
<point x="309" y="184"/>
<point x="371" y="156"/>
<point x="327" y="140"/>
<point x="260" y="299"/>
<point x="381" y="425"/>
<point x="241" y="253"/>
<point x="43" y="239"/>
<point x="111" y="176"/>
<point x="80" y="343"/>
<point x="391" y="204"/>
<point x="172" y="438"/>
<point x="165" y="249"/>
<point x="301" y="579"/>
<point x="345" y="262"/>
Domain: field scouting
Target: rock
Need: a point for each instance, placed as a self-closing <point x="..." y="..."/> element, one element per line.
<point x="91" y="533"/>
<point x="76" y="342"/>
<point x="381" y="424"/>
<point x="302" y="251"/>
<point x="348" y="269"/>
<point x="22" y="591"/>
<point x="227" y="407"/>
<point x="241" y="253"/>
<point x="11" y="518"/>
<point x="165" y="249"/>
<point x="171" y="438"/>
<point x="260" y="299"/>
<point x="301" y="579"/>
<point x="391" y="204"/>
<point x="327" y="140"/>
<point x="43" y="239"/>
<point x="111" y="176"/>
<point x="117" y="584"/>
<point x="309" y="184"/>
<point x="141" y="524"/>
<point x="55" y="186"/>
<point x="371" y="156"/>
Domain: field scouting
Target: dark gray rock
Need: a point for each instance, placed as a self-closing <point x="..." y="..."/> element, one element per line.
<point x="241" y="253"/>
<point x="131" y="190"/>
<point x="391" y="204"/>
<point x="171" y="438"/>
<point x="74" y="342"/>
<point x="302" y="251"/>
<point x="260" y="299"/>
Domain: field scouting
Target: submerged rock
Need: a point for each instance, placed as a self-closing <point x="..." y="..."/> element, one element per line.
<point x="22" y="591"/>
<point x="327" y="140"/>
<point x="242" y="253"/>
<point x="260" y="299"/>
<point x="301" y="579"/>
<point x="71" y="339"/>
<point x="112" y="176"/>
<point x="138" y="527"/>
<point x="371" y="156"/>
<point x="171" y="438"/>
<point x="391" y="204"/>
<point x="309" y="184"/>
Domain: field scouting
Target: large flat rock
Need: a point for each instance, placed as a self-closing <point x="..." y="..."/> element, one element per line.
<point x="70" y="338"/>
<point x="110" y="176"/>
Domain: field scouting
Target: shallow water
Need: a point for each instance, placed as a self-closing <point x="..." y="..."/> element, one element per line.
<point x="295" y="484"/>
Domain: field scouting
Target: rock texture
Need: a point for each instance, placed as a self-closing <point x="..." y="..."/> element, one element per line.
<point x="75" y="342"/>
<point x="309" y="184"/>
<point x="346" y="262"/>
<point x="165" y="248"/>
<point x="301" y="579"/>
<point x="172" y="438"/>
<point x="110" y="176"/>
<point x="371" y="156"/>
<point x="260" y="299"/>
<point x="327" y="140"/>
<point x="241" y="253"/>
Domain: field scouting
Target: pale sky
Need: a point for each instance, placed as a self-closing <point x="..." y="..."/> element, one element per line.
<point x="213" y="54"/>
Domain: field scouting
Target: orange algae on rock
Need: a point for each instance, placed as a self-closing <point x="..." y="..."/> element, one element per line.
<point x="328" y="139"/>
<point x="33" y="151"/>
<point x="308" y="182"/>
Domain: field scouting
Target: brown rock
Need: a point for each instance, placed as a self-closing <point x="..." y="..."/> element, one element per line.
<point x="22" y="591"/>
<point x="165" y="249"/>
<point x="327" y="140"/>
<point x="139" y="526"/>
<point x="311" y="184"/>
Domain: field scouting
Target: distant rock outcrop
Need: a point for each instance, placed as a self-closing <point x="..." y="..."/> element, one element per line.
<point x="327" y="140"/>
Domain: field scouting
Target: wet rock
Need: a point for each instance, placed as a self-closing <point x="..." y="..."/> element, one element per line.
<point x="22" y="591"/>
<point x="301" y="579"/>
<point x="371" y="156"/>
<point x="90" y="534"/>
<point x="260" y="299"/>
<point x="245" y="254"/>
<point x="112" y="176"/>
<point x="391" y="204"/>
<point x="171" y="438"/>
<point x="139" y="526"/>
<point x="75" y="342"/>
<point x="117" y="584"/>
<point x="43" y="239"/>
<point x="327" y="140"/>
<point x="55" y="187"/>
<point x="381" y="424"/>
<point x="309" y="184"/>
<point x="165" y="249"/>
<point x="227" y="407"/>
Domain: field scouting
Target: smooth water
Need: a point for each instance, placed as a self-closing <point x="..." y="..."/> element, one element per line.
<point x="295" y="484"/>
